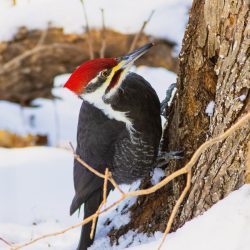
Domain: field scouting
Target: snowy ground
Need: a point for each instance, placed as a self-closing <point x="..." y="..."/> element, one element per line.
<point x="225" y="226"/>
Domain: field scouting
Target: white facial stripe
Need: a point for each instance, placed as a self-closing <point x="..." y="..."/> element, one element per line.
<point x="96" y="98"/>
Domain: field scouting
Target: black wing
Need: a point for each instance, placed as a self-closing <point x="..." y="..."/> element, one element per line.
<point x="96" y="135"/>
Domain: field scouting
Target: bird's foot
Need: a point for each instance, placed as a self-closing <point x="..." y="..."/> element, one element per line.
<point x="164" y="157"/>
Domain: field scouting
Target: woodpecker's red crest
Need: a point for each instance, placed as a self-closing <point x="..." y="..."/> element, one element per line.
<point x="112" y="73"/>
<point x="87" y="71"/>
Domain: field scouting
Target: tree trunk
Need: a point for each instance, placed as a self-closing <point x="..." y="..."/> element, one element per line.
<point x="214" y="68"/>
<point x="224" y="44"/>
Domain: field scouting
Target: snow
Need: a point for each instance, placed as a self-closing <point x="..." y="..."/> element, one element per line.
<point x="132" y="238"/>
<point x="242" y="98"/>
<point x="117" y="216"/>
<point x="36" y="189"/>
<point x="124" y="16"/>
<point x="157" y="175"/>
<point x="159" y="78"/>
<point x="210" y="108"/>
<point x="225" y="226"/>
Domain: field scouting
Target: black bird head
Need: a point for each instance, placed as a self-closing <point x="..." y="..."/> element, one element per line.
<point x="99" y="79"/>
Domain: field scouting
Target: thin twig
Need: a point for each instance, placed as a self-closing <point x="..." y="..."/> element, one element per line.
<point x="103" y="36"/>
<point x="104" y="198"/>
<point x="43" y="37"/>
<point x="5" y="241"/>
<point x="105" y="186"/>
<point x="218" y="138"/>
<point x="83" y="163"/>
<point x="176" y="207"/>
<point x="186" y="169"/>
<point x="94" y="220"/>
<point x="138" y="34"/>
<point x="89" y="37"/>
<point x="115" y="184"/>
<point x="18" y="59"/>
<point x="77" y="157"/>
<point x="28" y="53"/>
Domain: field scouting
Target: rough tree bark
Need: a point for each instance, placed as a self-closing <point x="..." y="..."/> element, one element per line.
<point x="223" y="48"/>
<point x="214" y="66"/>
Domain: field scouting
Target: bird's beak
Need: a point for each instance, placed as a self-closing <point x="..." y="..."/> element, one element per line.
<point x="124" y="64"/>
<point x="129" y="59"/>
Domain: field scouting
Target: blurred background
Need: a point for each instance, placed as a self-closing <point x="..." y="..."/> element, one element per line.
<point x="41" y="43"/>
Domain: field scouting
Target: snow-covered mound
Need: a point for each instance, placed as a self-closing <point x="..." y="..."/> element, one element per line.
<point x="36" y="188"/>
<point x="225" y="226"/>
<point x="125" y="16"/>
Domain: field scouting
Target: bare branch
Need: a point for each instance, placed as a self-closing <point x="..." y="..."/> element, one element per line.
<point x="176" y="207"/>
<point x="185" y="170"/>
<point x="103" y="36"/>
<point x="105" y="188"/>
<point x="218" y="138"/>
<point x="113" y="182"/>
<point x="104" y="199"/>
<point x="18" y="59"/>
<point x="43" y="37"/>
<point x="89" y="37"/>
<point x="138" y="34"/>
<point x="5" y="241"/>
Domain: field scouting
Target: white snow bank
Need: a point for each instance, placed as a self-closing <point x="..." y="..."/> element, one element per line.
<point x="125" y="16"/>
<point x="225" y="226"/>
<point x="36" y="189"/>
<point x="35" y="184"/>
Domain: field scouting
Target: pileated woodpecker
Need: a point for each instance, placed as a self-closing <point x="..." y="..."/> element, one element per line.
<point x="119" y="127"/>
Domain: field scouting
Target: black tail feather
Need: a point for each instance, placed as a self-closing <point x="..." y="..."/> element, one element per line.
<point x="75" y="205"/>
<point x="90" y="207"/>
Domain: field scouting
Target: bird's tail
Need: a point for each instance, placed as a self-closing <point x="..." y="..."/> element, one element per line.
<point x="76" y="204"/>
<point x="90" y="207"/>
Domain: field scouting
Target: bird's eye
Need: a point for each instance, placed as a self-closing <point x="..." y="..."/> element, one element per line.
<point x="105" y="73"/>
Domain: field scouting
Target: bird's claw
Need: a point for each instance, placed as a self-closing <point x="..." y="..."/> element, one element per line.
<point x="164" y="157"/>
